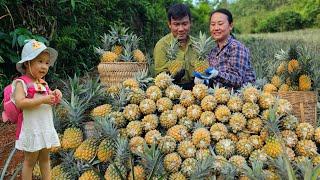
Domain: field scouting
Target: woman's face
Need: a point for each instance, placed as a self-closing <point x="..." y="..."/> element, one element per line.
<point x="220" y="27"/>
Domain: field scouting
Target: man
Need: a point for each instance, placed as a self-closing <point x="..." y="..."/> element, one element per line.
<point x="179" y="22"/>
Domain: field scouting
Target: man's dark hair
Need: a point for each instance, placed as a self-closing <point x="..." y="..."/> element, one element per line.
<point x="178" y="11"/>
<point x="225" y="12"/>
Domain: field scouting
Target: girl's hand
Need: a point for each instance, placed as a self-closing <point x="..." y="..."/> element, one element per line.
<point x="58" y="95"/>
<point x="49" y="99"/>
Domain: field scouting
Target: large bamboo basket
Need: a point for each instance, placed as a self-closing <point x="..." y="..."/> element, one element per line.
<point x="114" y="73"/>
<point x="304" y="104"/>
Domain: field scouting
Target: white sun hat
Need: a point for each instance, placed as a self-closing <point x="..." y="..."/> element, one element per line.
<point x="31" y="50"/>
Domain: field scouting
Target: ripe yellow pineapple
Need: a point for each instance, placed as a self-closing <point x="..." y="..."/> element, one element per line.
<point x="225" y="148"/>
<point x="109" y="56"/>
<point x="101" y="110"/>
<point x="188" y="123"/>
<point x="237" y="122"/>
<point x="137" y="53"/>
<point x="130" y="83"/>
<point x="273" y="147"/>
<point x="200" y="91"/>
<point x="188" y="166"/>
<point x="244" y="147"/>
<point x="139" y="173"/>
<point x="118" y="119"/>
<point x="194" y="112"/>
<point x="147" y="106"/>
<point x="168" y="119"/>
<point x="250" y="110"/>
<point x="276" y="81"/>
<point x="167" y="144"/>
<point x="201" y="65"/>
<point x="218" y="131"/>
<point x="154" y="93"/>
<point x="222" y="113"/>
<point x="173" y="92"/>
<point x="221" y="94"/>
<point x="177" y="176"/>
<point x="239" y="162"/>
<point x="179" y="110"/>
<point x="114" y="89"/>
<point x="105" y="150"/>
<point x="150" y="122"/>
<point x="36" y="171"/>
<point x="201" y="138"/>
<point x="186" y="149"/>
<point x="72" y="138"/>
<point x="164" y="104"/>
<point x="281" y="68"/>
<point x="186" y="98"/>
<point x="304" y="83"/>
<point x="254" y="125"/>
<point x="132" y="112"/>
<point x="89" y="175"/>
<point x="306" y="148"/>
<point x="134" y="128"/>
<point x="58" y="172"/>
<point x="172" y="162"/>
<point x="207" y="118"/>
<point x="316" y="160"/>
<point x="266" y="100"/>
<point x="208" y="103"/>
<point x="87" y="150"/>
<point x="250" y="93"/>
<point x="284" y="88"/>
<point x="112" y="174"/>
<point x="152" y="136"/>
<point x="136" y="96"/>
<point x="117" y="49"/>
<point x="235" y="103"/>
<point x="290" y="153"/>
<point x="256" y="141"/>
<point x="178" y="132"/>
<point x="163" y="80"/>
<point x="293" y="65"/>
<point x="304" y="131"/>
<point x="269" y="88"/>
<point x="258" y="155"/>
<point x="136" y="144"/>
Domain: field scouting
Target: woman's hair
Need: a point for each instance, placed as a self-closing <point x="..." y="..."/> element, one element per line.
<point x="225" y="12"/>
<point x="178" y="11"/>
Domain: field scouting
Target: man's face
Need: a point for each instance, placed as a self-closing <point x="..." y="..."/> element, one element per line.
<point x="180" y="28"/>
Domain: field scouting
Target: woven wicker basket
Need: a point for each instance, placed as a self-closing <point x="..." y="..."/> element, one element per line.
<point x="304" y="104"/>
<point x="114" y="73"/>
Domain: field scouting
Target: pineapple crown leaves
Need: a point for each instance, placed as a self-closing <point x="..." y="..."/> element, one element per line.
<point x="281" y="55"/>
<point x="256" y="172"/>
<point x="107" y="43"/>
<point x="284" y="167"/>
<point x="69" y="163"/>
<point x="203" y="169"/>
<point x="198" y="125"/>
<point x="307" y="170"/>
<point x="273" y="120"/>
<point x="229" y="171"/>
<point x="151" y="160"/>
<point x="202" y="45"/>
<point x="127" y="52"/>
<point x="107" y="128"/>
<point x="118" y="33"/>
<point x="143" y="78"/>
<point x="172" y="49"/>
<point x="135" y="41"/>
<point x="122" y="150"/>
<point x="260" y="82"/>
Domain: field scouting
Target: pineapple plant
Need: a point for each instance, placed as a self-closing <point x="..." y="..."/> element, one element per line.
<point x="106" y="54"/>
<point x="171" y="54"/>
<point x="202" y="46"/>
<point x="118" y="35"/>
<point x="138" y="55"/>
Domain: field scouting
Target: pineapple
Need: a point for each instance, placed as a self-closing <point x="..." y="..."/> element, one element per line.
<point x="254" y="125"/>
<point x="164" y="104"/>
<point x="134" y="128"/>
<point x="139" y="173"/>
<point x="154" y="93"/>
<point x="222" y="113"/>
<point x="201" y="138"/>
<point x="203" y="154"/>
<point x="150" y="122"/>
<point x="304" y="131"/>
<point x="233" y="137"/>
<point x="239" y="162"/>
<point x="208" y="103"/>
<point x="244" y="147"/>
<point x="106" y="55"/>
<point x="258" y="155"/>
<point x="89" y="175"/>
<point x="219" y="163"/>
<point x="180" y="110"/>
<point x="186" y="98"/>
<point x="105" y="150"/>
<point x="281" y="69"/>
<point x="316" y="160"/>
<point x="131" y="83"/>
<point x="188" y="166"/>
<point x="186" y="122"/>
<point x="269" y="88"/>
<point x="172" y="162"/>
<point x="117" y="49"/>
<point x="136" y="144"/>
<point x="72" y="138"/>
<point x="290" y="138"/>
<point x="222" y="95"/>
<point x="218" y="131"/>
<point x="177" y="176"/>
<point x="132" y="112"/>
<point x="194" y="112"/>
<point x="118" y="119"/>
<point x="306" y="148"/>
<point x="250" y="93"/>
<point x="284" y="88"/>
<point x="147" y="106"/>
<point x="138" y="55"/>
<point x="167" y="144"/>
<point x="36" y="171"/>
<point x="136" y="96"/>
<point x="178" y="132"/>
<point x="207" y="118"/>
<point x="168" y="119"/>
<point x="109" y="56"/>
<point x="256" y="141"/>
<point x="235" y="103"/>
<point x="273" y="147"/>
<point x="250" y="110"/>
<point x="276" y="81"/>
<point x="152" y="136"/>
<point x="87" y="150"/>
<point x="290" y="153"/>
<point x="289" y="122"/>
<point x="163" y="80"/>
<point x="173" y="92"/>
<point x="200" y="91"/>
<point x="126" y="56"/>
<point x="113" y="174"/>
<point x="270" y="175"/>
<point x="284" y="107"/>
<point x="317" y="135"/>
<point x="171" y="54"/>
<point x="266" y="100"/>
<point x="293" y="65"/>
<point x="118" y="35"/>
<point x="101" y="111"/>
<point x="304" y="83"/>
<point x="186" y="149"/>
<point x="202" y="46"/>
<point x="225" y="148"/>
<point x="237" y="122"/>
<point x="60" y="173"/>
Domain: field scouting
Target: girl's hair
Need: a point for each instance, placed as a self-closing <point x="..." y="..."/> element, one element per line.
<point x="225" y="12"/>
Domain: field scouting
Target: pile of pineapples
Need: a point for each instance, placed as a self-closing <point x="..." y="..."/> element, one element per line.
<point x="292" y="71"/>
<point x="156" y="130"/>
<point x="120" y="45"/>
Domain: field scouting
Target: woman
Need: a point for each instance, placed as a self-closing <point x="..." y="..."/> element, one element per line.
<point x="230" y="59"/>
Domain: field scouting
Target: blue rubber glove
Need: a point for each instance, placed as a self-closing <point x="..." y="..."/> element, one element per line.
<point x="200" y="78"/>
<point x="211" y="72"/>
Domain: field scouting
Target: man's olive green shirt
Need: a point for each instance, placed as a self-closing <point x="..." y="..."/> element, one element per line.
<point x="185" y="54"/>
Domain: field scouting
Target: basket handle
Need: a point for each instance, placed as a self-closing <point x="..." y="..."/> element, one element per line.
<point x="302" y="113"/>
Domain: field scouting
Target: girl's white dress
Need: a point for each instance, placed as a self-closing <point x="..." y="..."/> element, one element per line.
<point x="37" y="130"/>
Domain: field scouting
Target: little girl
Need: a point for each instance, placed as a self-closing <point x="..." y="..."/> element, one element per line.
<point x="37" y="134"/>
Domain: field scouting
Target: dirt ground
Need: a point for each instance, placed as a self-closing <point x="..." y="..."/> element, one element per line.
<point x="7" y="140"/>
